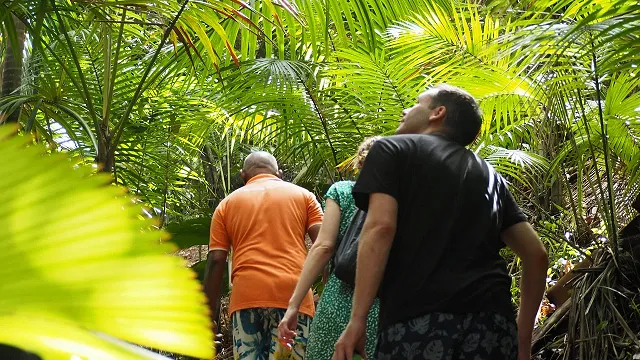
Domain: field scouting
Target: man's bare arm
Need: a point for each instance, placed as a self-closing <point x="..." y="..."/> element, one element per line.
<point x="524" y="242"/>
<point x="216" y="265"/>
<point x="377" y="236"/>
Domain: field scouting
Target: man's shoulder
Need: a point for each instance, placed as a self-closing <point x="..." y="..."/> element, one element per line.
<point x="485" y="167"/>
<point x="225" y="200"/>
<point x="293" y="187"/>
<point x="407" y="141"/>
<point x="236" y="195"/>
<point x="403" y="137"/>
<point x="482" y="169"/>
<point x="394" y="143"/>
<point x="398" y="139"/>
<point x="246" y="194"/>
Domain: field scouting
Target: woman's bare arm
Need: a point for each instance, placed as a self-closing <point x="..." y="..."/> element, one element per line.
<point x="319" y="255"/>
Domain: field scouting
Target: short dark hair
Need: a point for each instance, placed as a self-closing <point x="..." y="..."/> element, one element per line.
<point x="464" y="119"/>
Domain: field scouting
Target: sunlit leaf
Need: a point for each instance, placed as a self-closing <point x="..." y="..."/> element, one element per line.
<point x="74" y="248"/>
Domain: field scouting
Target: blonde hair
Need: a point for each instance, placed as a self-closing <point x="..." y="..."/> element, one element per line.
<point x="363" y="150"/>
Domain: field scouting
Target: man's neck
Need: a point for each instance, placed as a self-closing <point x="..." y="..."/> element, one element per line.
<point x="260" y="176"/>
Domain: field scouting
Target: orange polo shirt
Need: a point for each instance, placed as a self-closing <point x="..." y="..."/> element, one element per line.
<point x="265" y="223"/>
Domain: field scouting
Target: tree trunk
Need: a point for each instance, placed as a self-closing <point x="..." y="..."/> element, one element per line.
<point x="12" y="69"/>
<point x="105" y="158"/>
<point x="208" y="167"/>
<point x="551" y="140"/>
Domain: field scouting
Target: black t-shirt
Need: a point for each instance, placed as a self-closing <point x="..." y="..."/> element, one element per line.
<point x="442" y="259"/>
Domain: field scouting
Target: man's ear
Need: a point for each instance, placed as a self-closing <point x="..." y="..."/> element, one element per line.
<point x="438" y="115"/>
<point x="279" y="173"/>
<point x="243" y="175"/>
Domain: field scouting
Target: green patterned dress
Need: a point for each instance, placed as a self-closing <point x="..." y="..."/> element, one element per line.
<point x="334" y="308"/>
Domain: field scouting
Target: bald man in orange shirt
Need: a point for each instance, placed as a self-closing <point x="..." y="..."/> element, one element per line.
<point x="264" y="222"/>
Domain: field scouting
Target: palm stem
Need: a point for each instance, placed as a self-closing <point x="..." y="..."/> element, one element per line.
<point x="613" y="233"/>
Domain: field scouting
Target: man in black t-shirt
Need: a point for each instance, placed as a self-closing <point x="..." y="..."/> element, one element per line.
<point x="438" y="216"/>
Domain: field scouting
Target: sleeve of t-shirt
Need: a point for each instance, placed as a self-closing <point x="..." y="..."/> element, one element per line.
<point x="512" y="214"/>
<point x="334" y="194"/>
<point x="314" y="211"/>
<point x="218" y="236"/>
<point x="379" y="173"/>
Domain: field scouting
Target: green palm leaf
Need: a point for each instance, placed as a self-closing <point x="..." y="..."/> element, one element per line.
<point x="76" y="253"/>
<point x="522" y="166"/>
<point x="56" y="338"/>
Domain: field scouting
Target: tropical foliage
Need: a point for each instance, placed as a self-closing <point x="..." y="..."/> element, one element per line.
<point x="81" y="263"/>
<point x="169" y="96"/>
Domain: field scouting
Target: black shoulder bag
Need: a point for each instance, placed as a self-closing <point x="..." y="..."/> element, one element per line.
<point x="347" y="253"/>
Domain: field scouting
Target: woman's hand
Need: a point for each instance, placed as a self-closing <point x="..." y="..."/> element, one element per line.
<point x="287" y="328"/>
<point x="352" y="341"/>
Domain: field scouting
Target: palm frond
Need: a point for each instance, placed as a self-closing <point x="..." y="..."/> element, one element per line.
<point x="91" y="264"/>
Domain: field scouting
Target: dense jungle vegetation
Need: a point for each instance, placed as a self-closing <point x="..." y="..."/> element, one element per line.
<point x="166" y="97"/>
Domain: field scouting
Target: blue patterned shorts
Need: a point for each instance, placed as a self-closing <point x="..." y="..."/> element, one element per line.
<point x="441" y="336"/>
<point x="255" y="335"/>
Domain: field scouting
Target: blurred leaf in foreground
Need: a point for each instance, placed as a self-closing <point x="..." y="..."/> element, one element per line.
<point x="78" y="262"/>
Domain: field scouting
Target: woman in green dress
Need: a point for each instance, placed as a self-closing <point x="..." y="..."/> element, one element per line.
<point x="334" y="307"/>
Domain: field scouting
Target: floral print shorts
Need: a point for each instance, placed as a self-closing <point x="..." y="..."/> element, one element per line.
<point x="442" y="336"/>
<point x="255" y="335"/>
